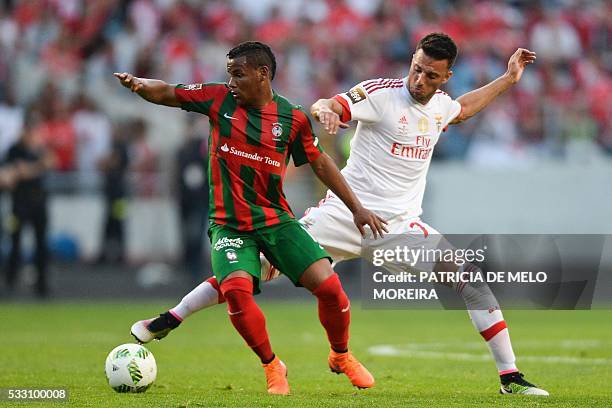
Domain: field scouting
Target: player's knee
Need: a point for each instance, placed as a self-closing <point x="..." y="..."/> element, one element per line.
<point x="330" y="290"/>
<point x="236" y="286"/>
<point x="316" y="274"/>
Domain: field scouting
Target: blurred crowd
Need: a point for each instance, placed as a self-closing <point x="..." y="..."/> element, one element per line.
<point x="56" y="57"/>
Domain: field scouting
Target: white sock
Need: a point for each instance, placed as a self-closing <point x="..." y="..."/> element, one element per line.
<point x="202" y="296"/>
<point x="488" y="319"/>
<point x="492" y="327"/>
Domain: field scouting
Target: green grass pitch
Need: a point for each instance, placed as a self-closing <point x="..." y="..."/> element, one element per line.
<point x="421" y="358"/>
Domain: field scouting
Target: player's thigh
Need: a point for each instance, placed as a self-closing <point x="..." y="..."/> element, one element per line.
<point x="291" y="249"/>
<point x="232" y="251"/>
<point x="331" y="225"/>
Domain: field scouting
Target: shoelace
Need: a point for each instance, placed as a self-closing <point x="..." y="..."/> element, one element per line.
<point x="518" y="379"/>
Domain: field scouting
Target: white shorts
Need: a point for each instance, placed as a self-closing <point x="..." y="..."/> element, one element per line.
<point x="331" y="225"/>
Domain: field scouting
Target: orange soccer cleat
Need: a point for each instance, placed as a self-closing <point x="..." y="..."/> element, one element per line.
<point x="276" y="377"/>
<point x="347" y="363"/>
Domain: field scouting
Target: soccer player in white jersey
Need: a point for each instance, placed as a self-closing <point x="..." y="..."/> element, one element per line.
<point x="399" y="122"/>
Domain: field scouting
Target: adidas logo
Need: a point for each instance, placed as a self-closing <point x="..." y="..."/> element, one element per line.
<point x="403" y="120"/>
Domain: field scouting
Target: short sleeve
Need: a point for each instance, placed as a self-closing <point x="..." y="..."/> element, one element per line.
<point x="199" y="97"/>
<point x="451" y="108"/>
<point x="305" y="148"/>
<point x="363" y="102"/>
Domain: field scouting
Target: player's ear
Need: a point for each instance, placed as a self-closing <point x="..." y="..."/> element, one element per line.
<point x="264" y="72"/>
<point x="449" y="74"/>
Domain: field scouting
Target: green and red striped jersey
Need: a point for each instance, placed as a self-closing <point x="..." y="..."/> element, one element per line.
<point x="249" y="149"/>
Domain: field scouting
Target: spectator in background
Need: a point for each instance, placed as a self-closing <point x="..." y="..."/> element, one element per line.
<point x="57" y="129"/>
<point x="11" y="126"/>
<point x="7" y="180"/>
<point x="143" y="161"/>
<point x="11" y="120"/>
<point x="554" y="39"/>
<point x="30" y="160"/>
<point x="93" y="135"/>
<point x="114" y="166"/>
<point x="192" y="182"/>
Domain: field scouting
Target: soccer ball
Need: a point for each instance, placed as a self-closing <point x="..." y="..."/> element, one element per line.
<point x="130" y="368"/>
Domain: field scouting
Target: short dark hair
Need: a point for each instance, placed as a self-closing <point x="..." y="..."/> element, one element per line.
<point x="439" y="46"/>
<point x="257" y="54"/>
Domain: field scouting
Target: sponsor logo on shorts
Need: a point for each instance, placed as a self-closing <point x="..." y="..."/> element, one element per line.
<point x="226" y="242"/>
<point x="231" y="255"/>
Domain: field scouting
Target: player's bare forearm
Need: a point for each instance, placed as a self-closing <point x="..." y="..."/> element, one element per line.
<point x="152" y="90"/>
<point x="328" y="111"/>
<point x="327" y="171"/>
<point x="330" y="104"/>
<point x="475" y="101"/>
<point x="329" y="174"/>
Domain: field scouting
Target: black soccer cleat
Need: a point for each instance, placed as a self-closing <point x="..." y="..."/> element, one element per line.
<point x="157" y="328"/>
<point x="514" y="383"/>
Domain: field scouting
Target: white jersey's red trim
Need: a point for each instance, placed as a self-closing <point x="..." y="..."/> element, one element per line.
<point x="376" y="84"/>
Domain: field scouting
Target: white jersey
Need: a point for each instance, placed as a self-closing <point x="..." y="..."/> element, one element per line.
<point x="393" y="143"/>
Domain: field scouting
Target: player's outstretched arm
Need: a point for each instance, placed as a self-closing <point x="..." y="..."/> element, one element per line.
<point x="327" y="171"/>
<point x="152" y="90"/>
<point x="328" y="111"/>
<point x="476" y="100"/>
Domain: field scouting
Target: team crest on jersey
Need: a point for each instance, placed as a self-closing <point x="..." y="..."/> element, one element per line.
<point x="423" y="125"/>
<point x="356" y="95"/>
<point x="277" y="131"/>
<point x="438" y="119"/>
<point x="193" y="87"/>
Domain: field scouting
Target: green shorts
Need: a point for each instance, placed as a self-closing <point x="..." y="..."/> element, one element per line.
<point x="287" y="246"/>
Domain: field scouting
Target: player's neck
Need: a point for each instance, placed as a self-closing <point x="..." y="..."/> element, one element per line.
<point x="266" y="96"/>
<point x="419" y="101"/>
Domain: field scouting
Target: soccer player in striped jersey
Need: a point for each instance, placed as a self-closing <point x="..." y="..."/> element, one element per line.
<point x="254" y="133"/>
<point x="399" y="122"/>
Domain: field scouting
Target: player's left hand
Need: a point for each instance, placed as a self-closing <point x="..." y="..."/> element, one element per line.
<point x="363" y="217"/>
<point x="330" y="120"/>
<point x="517" y="63"/>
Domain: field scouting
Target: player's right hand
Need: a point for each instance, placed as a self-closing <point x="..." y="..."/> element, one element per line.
<point x="329" y="119"/>
<point x="129" y="81"/>
<point x="363" y="217"/>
